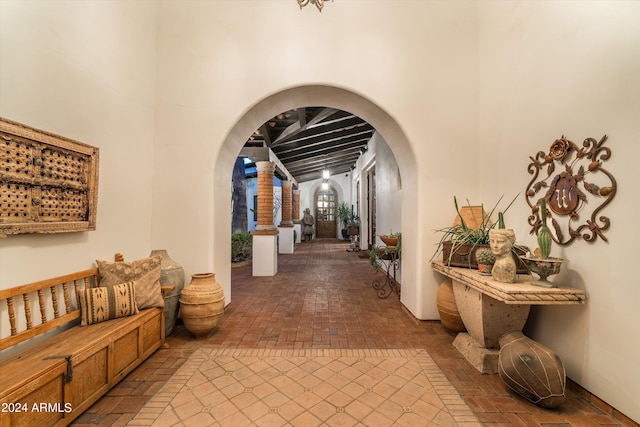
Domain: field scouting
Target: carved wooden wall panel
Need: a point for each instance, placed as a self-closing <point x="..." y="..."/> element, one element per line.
<point x="48" y="183"/>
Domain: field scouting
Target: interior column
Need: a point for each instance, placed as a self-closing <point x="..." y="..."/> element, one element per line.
<point x="296" y="215"/>
<point x="286" y="243"/>
<point x="265" y="253"/>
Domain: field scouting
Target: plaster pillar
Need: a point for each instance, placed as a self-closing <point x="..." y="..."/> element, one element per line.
<point x="296" y="215"/>
<point x="265" y="236"/>
<point x="286" y="204"/>
<point x="286" y="243"/>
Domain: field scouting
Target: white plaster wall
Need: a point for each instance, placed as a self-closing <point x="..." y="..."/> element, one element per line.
<point x="388" y="193"/>
<point x="388" y="189"/>
<point x="572" y="68"/>
<point x="407" y="67"/>
<point x="84" y="70"/>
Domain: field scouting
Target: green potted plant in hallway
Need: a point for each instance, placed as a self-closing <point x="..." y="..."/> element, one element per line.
<point x="344" y="217"/>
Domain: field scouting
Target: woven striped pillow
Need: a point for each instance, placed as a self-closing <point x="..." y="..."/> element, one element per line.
<point x="104" y="303"/>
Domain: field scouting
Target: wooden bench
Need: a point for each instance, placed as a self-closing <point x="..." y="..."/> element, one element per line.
<point x="53" y="381"/>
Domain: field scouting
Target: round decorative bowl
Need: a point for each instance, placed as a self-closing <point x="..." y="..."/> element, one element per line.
<point x="544" y="268"/>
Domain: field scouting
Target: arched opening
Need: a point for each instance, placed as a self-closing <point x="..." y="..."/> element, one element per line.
<point x="336" y="98"/>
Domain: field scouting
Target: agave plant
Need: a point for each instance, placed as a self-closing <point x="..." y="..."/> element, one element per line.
<point x="461" y="234"/>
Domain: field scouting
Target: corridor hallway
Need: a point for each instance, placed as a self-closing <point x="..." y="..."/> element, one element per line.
<point x="322" y="298"/>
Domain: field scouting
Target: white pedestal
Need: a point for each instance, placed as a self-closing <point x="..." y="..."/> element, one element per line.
<point x="265" y="255"/>
<point x="298" y="228"/>
<point x="285" y="242"/>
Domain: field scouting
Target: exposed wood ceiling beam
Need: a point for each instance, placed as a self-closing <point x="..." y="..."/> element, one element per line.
<point x="265" y="134"/>
<point x="309" y="139"/>
<point x="302" y="124"/>
<point x="324" y="149"/>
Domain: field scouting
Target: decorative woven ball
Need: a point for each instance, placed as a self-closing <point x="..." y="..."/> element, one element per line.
<point x="532" y="370"/>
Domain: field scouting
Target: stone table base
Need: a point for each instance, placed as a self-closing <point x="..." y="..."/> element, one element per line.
<point x="486" y="318"/>
<point x="483" y="359"/>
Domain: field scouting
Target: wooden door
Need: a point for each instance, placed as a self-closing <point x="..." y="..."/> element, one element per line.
<point x="326" y="213"/>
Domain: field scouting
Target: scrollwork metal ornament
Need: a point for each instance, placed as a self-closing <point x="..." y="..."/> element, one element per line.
<point x="575" y="185"/>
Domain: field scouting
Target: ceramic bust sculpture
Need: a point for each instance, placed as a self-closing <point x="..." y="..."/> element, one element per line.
<point x="501" y="240"/>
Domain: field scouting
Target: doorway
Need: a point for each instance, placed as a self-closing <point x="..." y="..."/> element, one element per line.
<point x="325" y="212"/>
<point x="417" y="290"/>
<point x="371" y="206"/>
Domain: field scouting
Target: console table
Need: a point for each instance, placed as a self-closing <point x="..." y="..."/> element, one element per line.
<point x="490" y="309"/>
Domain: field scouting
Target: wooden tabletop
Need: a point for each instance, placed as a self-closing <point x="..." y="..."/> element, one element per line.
<point x="520" y="292"/>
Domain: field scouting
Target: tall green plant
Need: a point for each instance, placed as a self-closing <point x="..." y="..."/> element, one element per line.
<point x="344" y="214"/>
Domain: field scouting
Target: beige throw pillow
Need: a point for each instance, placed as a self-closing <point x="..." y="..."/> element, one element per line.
<point x="145" y="273"/>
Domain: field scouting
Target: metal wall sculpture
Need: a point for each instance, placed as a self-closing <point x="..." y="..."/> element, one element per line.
<point x="48" y="183"/>
<point x="576" y="187"/>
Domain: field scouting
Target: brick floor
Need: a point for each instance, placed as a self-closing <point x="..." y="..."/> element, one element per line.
<point x="322" y="298"/>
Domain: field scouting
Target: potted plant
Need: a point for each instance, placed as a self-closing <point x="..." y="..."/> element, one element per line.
<point x="459" y="242"/>
<point x="344" y="217"/>
<point x="485" y="260"/>
<point x="386" y="253"/>
<point x="392" y="239"/>
<point x="540" y="262"/>
<point x="391" y="250"/>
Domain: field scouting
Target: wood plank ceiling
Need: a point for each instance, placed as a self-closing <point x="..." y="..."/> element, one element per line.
<point x="310" y="139"/>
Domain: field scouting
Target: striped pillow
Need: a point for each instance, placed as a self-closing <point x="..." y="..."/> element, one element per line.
<point x="104" y="303"/>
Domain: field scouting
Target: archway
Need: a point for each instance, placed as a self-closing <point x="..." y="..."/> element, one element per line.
<point x="331" y="97"/>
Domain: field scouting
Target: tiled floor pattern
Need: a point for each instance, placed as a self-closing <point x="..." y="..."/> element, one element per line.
<point x="264" y="387"/>
<point x="322" y="298"/>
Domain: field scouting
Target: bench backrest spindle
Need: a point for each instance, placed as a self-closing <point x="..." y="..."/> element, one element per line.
<point x="67" y="299"/>
<point x="76" y="289"/>
<point x="47" y="304"/>
<point x="27" y="310"/>
<point x="43" y="308"/>
<point x="54" y="300"/>
<point x="12" y="316"/>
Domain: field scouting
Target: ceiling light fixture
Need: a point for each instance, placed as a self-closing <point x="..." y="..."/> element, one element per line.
<point x="319" y="3"/>
<point x="326" y="174"/>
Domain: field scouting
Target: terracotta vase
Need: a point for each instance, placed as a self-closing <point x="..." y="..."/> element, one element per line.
<point x="171" y="274"/>
<point x="391" y="242"/>
<point x="446" y="303"/>
<point x="202" y="304"/>
<point x="532" y="370"/>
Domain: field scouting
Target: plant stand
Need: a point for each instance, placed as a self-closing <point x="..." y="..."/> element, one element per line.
<point x="389" y="285"/>
<point x="354" y="236"/>
<point x="354" y="246"/>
